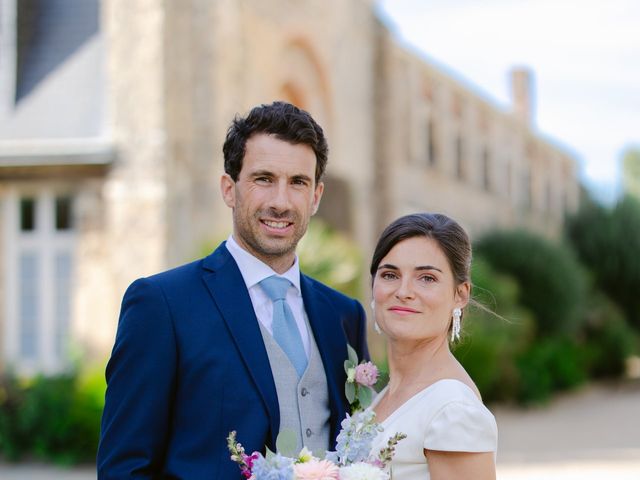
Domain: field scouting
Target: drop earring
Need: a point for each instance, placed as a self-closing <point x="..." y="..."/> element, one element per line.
<point x="376" y="327"/>
<point x="455" y="327"/>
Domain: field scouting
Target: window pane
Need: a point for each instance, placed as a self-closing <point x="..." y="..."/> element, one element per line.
<point x="63" y="213"/>
<point x="62" y="301"/>
<point x="29" y="305"/>
<point x="431" y="146"/>
<point x="459" y="158"/>
<point x="486" y="170"/>
<point x="27" y="214"/>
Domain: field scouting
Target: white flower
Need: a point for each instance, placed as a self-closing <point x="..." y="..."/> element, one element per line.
<point x="362" y="471"/>
<point x="351" y="375"/>
<point x="305" y="455"/>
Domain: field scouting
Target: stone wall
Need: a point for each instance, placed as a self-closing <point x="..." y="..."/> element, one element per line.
<point x="178" y="72"/>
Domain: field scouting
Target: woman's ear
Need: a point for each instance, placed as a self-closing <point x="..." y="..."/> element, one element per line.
<point x="463" y="294"/>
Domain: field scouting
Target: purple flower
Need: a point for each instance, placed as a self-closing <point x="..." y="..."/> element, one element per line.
<point x="366" y="374"/>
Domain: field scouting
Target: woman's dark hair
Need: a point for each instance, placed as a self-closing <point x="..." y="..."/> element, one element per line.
<point x="282" y="120"/>
<point x="446" y="232"/>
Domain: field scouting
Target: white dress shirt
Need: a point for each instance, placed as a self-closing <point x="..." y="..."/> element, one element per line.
<point x="254" y="271"/>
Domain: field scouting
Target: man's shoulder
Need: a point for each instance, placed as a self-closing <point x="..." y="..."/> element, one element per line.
<point x="178" y="272"/>
<point x="192" y="269"/>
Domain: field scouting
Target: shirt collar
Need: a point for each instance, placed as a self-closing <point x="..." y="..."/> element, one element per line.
<point x="254" y="270"/>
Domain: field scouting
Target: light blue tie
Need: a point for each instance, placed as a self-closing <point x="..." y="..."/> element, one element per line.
<point x="285" y="329"/>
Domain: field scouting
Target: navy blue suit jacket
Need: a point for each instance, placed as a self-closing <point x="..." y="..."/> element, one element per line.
<point x="189" y="365"/>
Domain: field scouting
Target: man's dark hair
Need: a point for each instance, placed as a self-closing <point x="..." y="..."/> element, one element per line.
<point x="282" y="120"/>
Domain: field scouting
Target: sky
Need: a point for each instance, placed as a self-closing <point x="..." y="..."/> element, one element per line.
<point x="584" y="55"/>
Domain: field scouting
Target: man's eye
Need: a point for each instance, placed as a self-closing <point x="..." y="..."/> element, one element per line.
<point x="263" y="179"/>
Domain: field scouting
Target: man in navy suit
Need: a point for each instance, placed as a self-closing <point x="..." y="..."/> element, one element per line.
<point x="194" y="356"/>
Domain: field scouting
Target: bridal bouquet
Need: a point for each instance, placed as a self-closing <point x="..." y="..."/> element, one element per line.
<point x="352" y="459"/>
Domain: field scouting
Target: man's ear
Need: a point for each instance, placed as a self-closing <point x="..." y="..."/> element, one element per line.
<point x="317" y="195"/>
<point x="228" y="190"/>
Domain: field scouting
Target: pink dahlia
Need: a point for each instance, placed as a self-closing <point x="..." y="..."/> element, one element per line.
<point x="316" y="470"/>
<point x="367" y="374"/>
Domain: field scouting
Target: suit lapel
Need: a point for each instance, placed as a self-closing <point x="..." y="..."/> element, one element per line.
<point x="327" y="330"/>
<point x="227" y="287"/>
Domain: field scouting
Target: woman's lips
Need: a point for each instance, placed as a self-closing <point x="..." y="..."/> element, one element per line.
<point x="402" y="310"/>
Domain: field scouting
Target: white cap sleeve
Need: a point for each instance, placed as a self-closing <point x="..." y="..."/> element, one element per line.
<point x="462" y="427"/>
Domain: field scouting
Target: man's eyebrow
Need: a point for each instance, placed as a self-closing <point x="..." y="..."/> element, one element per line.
<point x="261" y="173"/>
<point x="301" y="176"/>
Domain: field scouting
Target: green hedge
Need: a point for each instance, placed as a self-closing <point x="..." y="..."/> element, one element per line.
<point x="551" y="329"/>
<point x="54" y="418"/>
<point x="489" y="341"/>
<point x="553" y="284"/>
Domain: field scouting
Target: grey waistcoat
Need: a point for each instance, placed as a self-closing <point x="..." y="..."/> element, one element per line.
<point x="304" y="403"/>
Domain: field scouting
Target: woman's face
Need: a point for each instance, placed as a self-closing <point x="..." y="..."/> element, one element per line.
<point x="414" y="291"/>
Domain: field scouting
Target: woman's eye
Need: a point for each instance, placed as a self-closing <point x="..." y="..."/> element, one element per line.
<point x="388" y="275"/>
<point x="427" y="279"/>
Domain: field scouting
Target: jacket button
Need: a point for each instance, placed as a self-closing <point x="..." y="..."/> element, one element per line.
<point x="308" y="432"/>
<point x="304" y="392"/>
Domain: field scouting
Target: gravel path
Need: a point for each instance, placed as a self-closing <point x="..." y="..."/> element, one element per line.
<point x="588" y="434"/>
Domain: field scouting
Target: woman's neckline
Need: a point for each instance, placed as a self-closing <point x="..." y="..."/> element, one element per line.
<point x="414" y="396"/>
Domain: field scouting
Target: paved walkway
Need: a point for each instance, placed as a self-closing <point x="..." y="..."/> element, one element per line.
<point x="593" y="433"/>
<point x="590" y="434"/>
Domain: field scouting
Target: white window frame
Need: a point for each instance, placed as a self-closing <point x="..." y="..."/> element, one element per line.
<point x="47" y="242"/>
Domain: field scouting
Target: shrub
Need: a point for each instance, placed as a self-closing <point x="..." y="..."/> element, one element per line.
<point x="550" y="364"/>
<point x="331" y="258"/>
<point x="52" y="418"/>
<point x="552" y="283"/>
<point x="14" y="441"/>
<point x="490" y="343"/>
<point x="610" y="338"/>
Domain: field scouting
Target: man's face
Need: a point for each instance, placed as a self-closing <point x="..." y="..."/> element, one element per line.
<point x="273" y="199"/>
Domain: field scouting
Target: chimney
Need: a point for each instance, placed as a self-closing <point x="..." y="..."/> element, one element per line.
<point x="522" y="100"/>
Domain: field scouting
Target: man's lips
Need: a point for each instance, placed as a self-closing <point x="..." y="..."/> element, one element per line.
<point x="276" y="224"/>
<point x="399" y="309"/>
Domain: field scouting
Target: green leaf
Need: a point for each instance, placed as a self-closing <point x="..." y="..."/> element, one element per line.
<point x="286" y="443"/>
<point x="347" y="365"/>
<point x="365" y="396"/>
<point x="350" y="391"/>
<point x="268" y="453"/>
<point x="353" y="356"/>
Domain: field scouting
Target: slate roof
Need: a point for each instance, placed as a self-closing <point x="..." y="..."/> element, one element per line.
<point x="59" y="73"/>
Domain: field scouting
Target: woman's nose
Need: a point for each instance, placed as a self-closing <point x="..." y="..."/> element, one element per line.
<point x="405" y="290"/>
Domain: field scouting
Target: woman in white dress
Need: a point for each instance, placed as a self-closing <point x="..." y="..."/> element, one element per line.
<point x="421" y="285"/>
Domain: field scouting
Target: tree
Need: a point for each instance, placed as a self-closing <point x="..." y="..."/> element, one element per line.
<point x="608" y="242"/>
<point x="631" y="173"/>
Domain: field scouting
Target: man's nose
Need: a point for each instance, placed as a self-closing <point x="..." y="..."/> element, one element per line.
<point x="281" y="199"/>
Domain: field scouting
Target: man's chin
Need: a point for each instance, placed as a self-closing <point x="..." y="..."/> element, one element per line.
<point x="275" y="247"/>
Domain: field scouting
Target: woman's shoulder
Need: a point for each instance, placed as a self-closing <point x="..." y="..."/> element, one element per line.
<point x="454" y="390"/>
<point x="460" y="421"/>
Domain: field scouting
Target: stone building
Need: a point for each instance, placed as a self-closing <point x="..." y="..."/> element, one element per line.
<point x="112" y="118"/>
